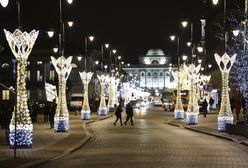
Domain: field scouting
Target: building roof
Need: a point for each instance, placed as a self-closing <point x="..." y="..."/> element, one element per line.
<point x="155" y="52"/>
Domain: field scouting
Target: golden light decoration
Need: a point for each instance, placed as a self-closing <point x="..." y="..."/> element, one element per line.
<point x="85" y="112"/>
<point x="192" y="111"/>
<point x="21" y="44"/>
<point x="117" y="80"/>
<point x="63" y="68"/>
<point x="225" y="114"/>
<point x="179" y="111"/>
<point x="127" y="94"/>
<point x="104" y="79"/>
<point x="111" y="100"/>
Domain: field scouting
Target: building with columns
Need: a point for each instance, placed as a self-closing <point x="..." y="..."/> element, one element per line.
<point x="153" y="71"/>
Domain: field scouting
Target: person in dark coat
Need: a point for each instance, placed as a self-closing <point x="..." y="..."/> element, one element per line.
<point x="211" y="103"/>
<point x="129" y="112"/>
<point x="118" y="112"/>
<point x="205" y="107"/>
<point x="237" y="109"/>
<point x="52" y="112"/>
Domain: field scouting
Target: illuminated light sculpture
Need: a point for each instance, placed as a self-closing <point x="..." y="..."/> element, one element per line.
<point x="225" y="114"/>
<point x="103" y="108"/>
<point x="179" y="111"/>
<point x="85" y="112"/>
<point x="61" y="118"/>
<point x="51" y="92"/>
<point x="126" y="91"/>
<point x="111" y="99"/>
<point x="21" y="44"/>
<point x="192" y="111"/>
<point x="116" y="101"/>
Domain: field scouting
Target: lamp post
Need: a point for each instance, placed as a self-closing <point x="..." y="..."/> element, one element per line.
<point x="91" y="38"/>
<point x="102" y="53"/>
<point x="110" y="57"/>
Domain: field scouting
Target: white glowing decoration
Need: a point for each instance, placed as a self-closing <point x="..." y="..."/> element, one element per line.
<point x="21" y="44"/>
<point x="91" y="38"/>
<point x="103" y="108"/>
<point x="50" y="33"/>
<point x="85" y="112"/>
<point x="162" y="61"/>
<point x="192" y="111"/>
<point x="225" y="114"/>
<point x="117" y="80"/>
<point x="51" y="92"/>
<point x="61" y="118"/>
<point x="126" y="91"/>
<point x="4" y="3"/>
<point x="111" y="101"/>
<point x="179" y="111"/>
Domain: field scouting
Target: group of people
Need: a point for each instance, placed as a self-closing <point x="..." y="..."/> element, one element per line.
<point x="129" y="114"/>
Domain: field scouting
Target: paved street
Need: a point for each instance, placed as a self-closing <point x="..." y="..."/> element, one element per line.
<point x="153" y="143"/>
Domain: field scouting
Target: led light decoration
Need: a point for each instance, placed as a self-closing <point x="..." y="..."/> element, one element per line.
<point x="85" y="112"/>
<point x="21" y="44"/>
<point x="126" y="91"/>
<point x="179" y="111"/>
<point x="111" y="100"/>
<point x="51" y="92"/>
<point x="116" y="101"/>
<point x="225" y="114"/>
<point x="61" y="118"/>
<point x="192" y="111"/>
<point x="103" y="108"/>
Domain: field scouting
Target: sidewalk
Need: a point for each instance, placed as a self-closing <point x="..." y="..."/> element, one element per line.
<point x="208" y="126"/>
<point x="48" y="145"/>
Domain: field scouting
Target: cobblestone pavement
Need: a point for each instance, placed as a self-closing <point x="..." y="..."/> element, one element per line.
<point x="152" y="143"/>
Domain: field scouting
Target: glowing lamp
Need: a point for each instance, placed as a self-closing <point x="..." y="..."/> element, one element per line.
<point x="235" y="33"/>
<point x="4" y="3"/>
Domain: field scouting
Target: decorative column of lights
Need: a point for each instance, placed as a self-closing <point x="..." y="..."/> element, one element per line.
<point x="85" y="112"/>
<point x="126" y="91"/>
<point x="196" y="93"/>
<point x="116" y="101"/>
<point x="179" y="111"/>
<point x="21" y="128"/>
<point x="225" y="114"/>
<point x="111" y="100"/>
<point x="61" y="118"/>
<point x="103" y="108"/>
<point x="192" y="112"/>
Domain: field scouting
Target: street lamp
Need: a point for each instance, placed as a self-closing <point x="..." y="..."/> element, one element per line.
<point x="70" y="23"/>
<point x="69" y="1"/>
<point x="102" y="53"/>
<point x="55" y="49"/>
<point x="91" y="38"/>
<point x="184" y="57"/>
<point x="215" y="2"/>
<point x="4" y="3"/>
<point x="235" y="32"/>
<point x="79" y="58"/>
<point x="200" y="49"/>
<point x="184" y="23"/>
<point x="50" y="33"/>
<point x="209" y="66"/>
<point x="110" y="57"/>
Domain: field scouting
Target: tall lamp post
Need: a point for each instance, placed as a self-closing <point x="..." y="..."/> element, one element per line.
<point x="102" y="53"/>
<point x="91" y="38"/>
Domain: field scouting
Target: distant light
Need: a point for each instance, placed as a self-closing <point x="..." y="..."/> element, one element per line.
<point x="70" y="23"/>
<point x="106" y="45"/>
<point x="122" y="62"/>
<point x="69" y="1"/>
<point x="173" y="37"/>
<point x="170" y="64"/>
<point x="209" y="66"/>
<point x="199" y="61"/>
<point x="235" y="33"/>
<point x="50" y="33"/>
<point x="188" y="44"/>
<point x="184" y="57"/>
<point x="105" y="66"/>
<point x="215" y="2"/>
<point x="55" y="49"/>
<point x="114" y="51"/>
<point x="202" y="69"/>
<point x="91" y="38"/>
<point x="119" y="57"/>
<point x="79" y="58"/>
<point x="200" y="49"/>
<point x="128" y="65"/>
<point x="184" y="23"/>
<point x="97" y="62"/>
<point x="4" y="3"/>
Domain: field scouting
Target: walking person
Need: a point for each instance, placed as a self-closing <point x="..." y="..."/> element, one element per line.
<point x="129" y="112"/>
<point x="205" y="108"/>
<point x="211" y="103"/>
<point x="52" y="112"/>
<point x="118" y="112"/>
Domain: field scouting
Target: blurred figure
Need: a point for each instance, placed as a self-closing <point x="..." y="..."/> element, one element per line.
<point x="205" y="108"/>
<point x="237" y="109"/>
<point x="129" y="112"/>
<point x="52" y="112"/>
<point x="118" y="112"/>
<point x="211" y="103"/>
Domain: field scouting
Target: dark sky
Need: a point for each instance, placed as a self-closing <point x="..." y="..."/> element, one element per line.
<point x="130" y="26"/>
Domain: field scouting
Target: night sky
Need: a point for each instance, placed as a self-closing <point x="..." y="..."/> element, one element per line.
<point x="132" y="27"/>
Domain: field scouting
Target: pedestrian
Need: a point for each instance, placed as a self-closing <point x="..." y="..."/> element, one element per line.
<point x="211" y="102"/>
<point x="205" y="108"/>
<point x="237" y="109"/>
<point x="52" y="112"/>
<point x="118" y="112"/>
<point x="232" y="103"/>
<point x="129" y="112"/>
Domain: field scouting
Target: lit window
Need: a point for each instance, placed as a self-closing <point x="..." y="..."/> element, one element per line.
<point x="39" y="77"/>
<point x="52" y="76"/>
<point x="5" y="94"/>
<point x="39" y="62"/>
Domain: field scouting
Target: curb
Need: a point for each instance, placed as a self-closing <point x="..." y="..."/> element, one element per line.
<point x="67" y="151"/>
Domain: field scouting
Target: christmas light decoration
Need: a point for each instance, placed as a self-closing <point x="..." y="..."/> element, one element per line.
<point x="179" y="111"/>
<point x="126" y="91"/>
<point x="61" y="118"/>
<point x="111" y="100"/>
<point x="21" y="44"/>
<point x="51" y="92"/>
<point x="116" y="101"/>
<point x="225" y="114"/>
<point x="103" y="108"/>
<point x="85" y="112"/>
<point x="192" y="111"/>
